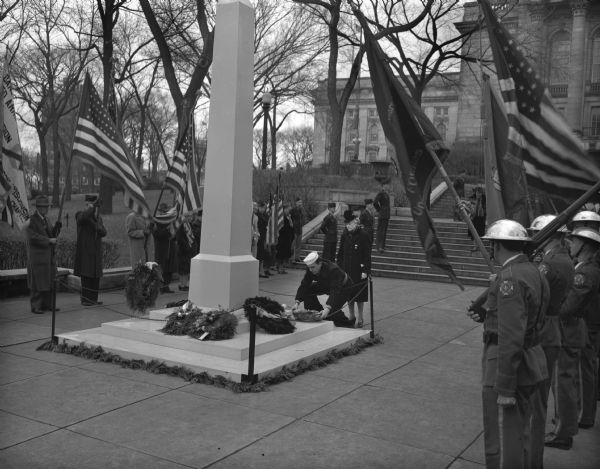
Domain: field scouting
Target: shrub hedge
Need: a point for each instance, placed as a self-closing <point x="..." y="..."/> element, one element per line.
<point x="13" y="253"/>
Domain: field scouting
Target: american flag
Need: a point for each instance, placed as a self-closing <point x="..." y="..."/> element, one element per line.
<point x="538" y="135"/>
<point x="99" y="143"/>
<point x="183" y="176"/>
<point x="276" y="219"/>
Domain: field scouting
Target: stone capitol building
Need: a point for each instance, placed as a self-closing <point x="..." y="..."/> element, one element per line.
<point x="562" y="38"/>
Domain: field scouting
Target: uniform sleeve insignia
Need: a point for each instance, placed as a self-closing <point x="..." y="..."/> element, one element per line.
<point x="579" y="280"/>
<point x="543" y="268"/>
<point x="507" y="288"/>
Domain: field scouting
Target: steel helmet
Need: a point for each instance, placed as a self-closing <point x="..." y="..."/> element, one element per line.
<point x="586" y="215"/>
<point x="539" y="223"/>
<point x="586" y="233"/>
<point x="506" y="230"/>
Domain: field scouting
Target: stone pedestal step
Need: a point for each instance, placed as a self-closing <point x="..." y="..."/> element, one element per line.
<point x="236" y="348"/>
<point x="266" y="363"/>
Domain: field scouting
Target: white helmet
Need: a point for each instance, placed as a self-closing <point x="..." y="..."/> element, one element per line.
<point x="539" y="223"/>
<point x="587" y="233"/>
<point x="586" y="215"/>
<point x="506" y="230"/>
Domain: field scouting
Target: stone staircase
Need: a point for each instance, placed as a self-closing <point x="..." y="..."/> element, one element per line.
<point x="404" y="257"/>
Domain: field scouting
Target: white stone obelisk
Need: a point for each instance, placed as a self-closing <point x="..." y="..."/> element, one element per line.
<point x="225" y="273"/>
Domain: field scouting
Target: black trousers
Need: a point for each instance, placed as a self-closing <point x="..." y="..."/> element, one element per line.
<point x="89" y="289"/>
<point x="41" y="300"/>
<point x="382" y="226"/>
<point x="312" y="303"/>
<point x="329" y="250"/>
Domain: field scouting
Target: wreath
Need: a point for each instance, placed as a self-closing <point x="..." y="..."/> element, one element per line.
<point x="190" y="320"/>
<point x="270" y="315"/>
<point x="308" y="315"/>
<point x="142" y="286"/>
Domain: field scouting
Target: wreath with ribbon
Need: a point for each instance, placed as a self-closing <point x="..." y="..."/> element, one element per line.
<point x="190" y="320"/>
<point x="142" y="286"/>
<point x="270" y="315"/>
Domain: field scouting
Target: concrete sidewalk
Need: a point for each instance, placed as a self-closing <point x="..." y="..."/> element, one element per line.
<point x="412" y="402"/>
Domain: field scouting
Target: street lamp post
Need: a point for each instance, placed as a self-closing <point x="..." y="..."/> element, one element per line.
<point x="266" y="104"/>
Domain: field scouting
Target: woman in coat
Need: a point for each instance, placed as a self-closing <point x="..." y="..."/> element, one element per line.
<point x="354" y="258"/>
<point x="165" y="245"/>
<point x="188" y="242"/>
<point x="138" y="233"/>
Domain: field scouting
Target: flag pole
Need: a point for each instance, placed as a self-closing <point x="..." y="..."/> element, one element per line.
<point x="463" y="213"/>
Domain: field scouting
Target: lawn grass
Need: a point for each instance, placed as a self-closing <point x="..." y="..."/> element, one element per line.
<point x="114" y="222"/>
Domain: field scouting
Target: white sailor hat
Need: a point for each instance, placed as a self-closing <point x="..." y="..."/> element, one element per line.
<point x="311" y="258"/>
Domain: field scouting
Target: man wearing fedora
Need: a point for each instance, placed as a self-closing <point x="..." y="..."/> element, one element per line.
<point x="88" y="255"/>
<point x="41" y="268"/>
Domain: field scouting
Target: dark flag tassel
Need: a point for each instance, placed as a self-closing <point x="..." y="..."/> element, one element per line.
<point x="412" y="135"/>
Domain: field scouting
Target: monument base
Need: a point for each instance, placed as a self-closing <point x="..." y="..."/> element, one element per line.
<point x="222" y="281"/>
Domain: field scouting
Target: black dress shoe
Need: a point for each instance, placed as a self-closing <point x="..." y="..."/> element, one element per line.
<point x="559" y="443"/>
<point x="585" y="426"/>
<point x="37" y="311"/>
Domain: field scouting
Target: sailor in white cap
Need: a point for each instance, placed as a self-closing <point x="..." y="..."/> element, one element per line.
<point x="323" y="277"/>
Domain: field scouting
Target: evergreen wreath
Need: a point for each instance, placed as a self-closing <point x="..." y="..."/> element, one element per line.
<point x="204" y="325"/>
<point x="142" y="286"/>
<point x="270" y="315"/>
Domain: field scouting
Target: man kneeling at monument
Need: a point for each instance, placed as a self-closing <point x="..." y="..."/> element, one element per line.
<point x="323" y="277"/>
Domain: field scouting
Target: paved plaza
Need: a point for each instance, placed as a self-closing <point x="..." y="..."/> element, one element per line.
<point x="411" y="402"/>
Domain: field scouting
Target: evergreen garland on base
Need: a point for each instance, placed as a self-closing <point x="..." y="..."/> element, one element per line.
<point x="154" y="366"/>
<point x="204" y="325"/>
<point x="142" y="286"/>
<point x="270" y="315"/>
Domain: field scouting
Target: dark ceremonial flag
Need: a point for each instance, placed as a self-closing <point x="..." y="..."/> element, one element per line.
<point x="505" y="180"/>
<point x="538" y="135"/>
<point x="413" y="135"/>
<point x="99" y="143"/>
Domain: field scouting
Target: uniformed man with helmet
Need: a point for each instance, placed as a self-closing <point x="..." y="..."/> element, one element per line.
<point x="581" y="302"/>
<point x="514" y="365"/>
<point x="585" y="218"/>
<point x="552" y="259"/>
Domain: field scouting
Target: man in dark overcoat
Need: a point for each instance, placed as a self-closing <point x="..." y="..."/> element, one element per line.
<point x="298" y="219"/>
<point x="41" y="267"/>
<point x="88" y="256"/>
<point x="165" y="245"/>
<point x="382" y="205"/>
<point x="329" y="229"/>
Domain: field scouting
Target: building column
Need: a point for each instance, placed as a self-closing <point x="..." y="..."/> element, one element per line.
<point x="577" y="64"/>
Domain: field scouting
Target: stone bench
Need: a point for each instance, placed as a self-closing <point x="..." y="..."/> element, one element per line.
<point x="15" y="280"/>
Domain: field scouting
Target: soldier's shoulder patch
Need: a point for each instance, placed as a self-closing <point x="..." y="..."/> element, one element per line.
<point x="544" y="268"/>
<point x="507" y="288"/>
<point x="579" y="280"/>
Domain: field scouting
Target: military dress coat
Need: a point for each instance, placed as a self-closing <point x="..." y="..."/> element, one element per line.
<point x="557" y="267"/>
<point x="331" y="280"/>
<point x="581" y="302"/>
<point x="88" y="256"/>
<point x="329" y="228"/>
<point x="354" y="258"/>
<point x="516" y="308"/>
<point x="285" y="239"/>
<point x="40" y="266"/>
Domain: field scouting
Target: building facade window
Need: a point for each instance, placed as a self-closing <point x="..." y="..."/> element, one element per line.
<point x="595" y="121"/>
<point x="371" y="112"/>
<point x="373" y="133"/>
<point x="596" y="57"/>
<point x="560" y="53"/>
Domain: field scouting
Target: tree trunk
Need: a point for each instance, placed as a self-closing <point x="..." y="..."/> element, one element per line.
<point x="43" y="160"/>
<point x="56" y="160"/>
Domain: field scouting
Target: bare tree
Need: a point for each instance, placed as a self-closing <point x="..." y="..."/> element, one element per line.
<point x="298" y="146"/>
<point x="337" y="16"/>
<point x="47" y="72"/>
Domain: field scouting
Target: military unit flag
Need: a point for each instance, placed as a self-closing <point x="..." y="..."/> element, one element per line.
<point x="12" y="178"/>
<point x="99" y="143"/>
<point x="538" y="135"/>
<point x="412" y="135"/>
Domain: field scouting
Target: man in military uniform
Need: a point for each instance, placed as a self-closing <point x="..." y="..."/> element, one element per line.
<point x="329" y="228"/>
<point x="581" y="301"/>
<point x="367" y="221"/>
<point x="552" y="259"/>
<point x="514" y="365"/>
<point x="382" y="205"/>
<point x="323" y="277"/>
<point x="298" y="219"/>
<point x="41" y="267"/>
<point x="88" y="255"/>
